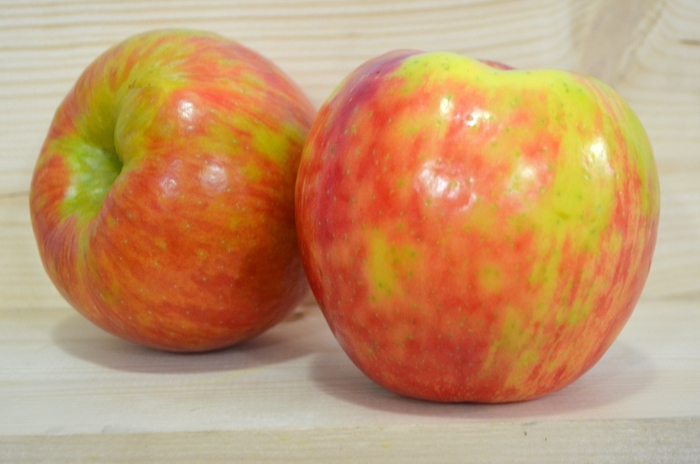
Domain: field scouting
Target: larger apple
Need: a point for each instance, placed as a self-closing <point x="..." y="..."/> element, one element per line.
<point x="163" y="198"/>
<point x="471" y="232"/>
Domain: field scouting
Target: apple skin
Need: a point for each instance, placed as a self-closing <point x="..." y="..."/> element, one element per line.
<point x="163" y="198"/>
<point x="471" y="232"/>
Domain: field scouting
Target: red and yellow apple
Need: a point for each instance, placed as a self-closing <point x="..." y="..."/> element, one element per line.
<point x="473" y="232"/>
<point x="163" y="198"/>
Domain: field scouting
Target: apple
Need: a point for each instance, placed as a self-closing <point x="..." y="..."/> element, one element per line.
<point x="163" y="198"/>
<point x="473" y="232"/>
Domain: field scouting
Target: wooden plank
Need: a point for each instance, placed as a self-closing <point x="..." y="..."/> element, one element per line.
<point x="617" y="441"/>
<point x="61" y="375"/>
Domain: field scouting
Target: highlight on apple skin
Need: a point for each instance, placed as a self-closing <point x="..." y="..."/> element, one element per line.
<point x="474" y="232"/>
<point x="163" y="198"/>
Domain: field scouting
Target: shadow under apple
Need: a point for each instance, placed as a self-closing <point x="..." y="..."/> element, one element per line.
<point x="81" y="339"/>
<point x="623" y="372"/>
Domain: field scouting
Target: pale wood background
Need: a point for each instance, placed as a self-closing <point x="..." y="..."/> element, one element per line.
<point x="63" y="378"/>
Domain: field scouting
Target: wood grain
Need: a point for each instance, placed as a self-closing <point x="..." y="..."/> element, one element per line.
<point x="71" y="393"/>
<point x="663" y="441"/>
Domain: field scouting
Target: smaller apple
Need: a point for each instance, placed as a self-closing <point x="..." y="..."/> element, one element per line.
<point x="473" y="232"/>
<point x="163" y="198"/>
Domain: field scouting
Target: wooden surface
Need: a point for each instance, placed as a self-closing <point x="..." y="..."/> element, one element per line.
<point x="71" y="393"/>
